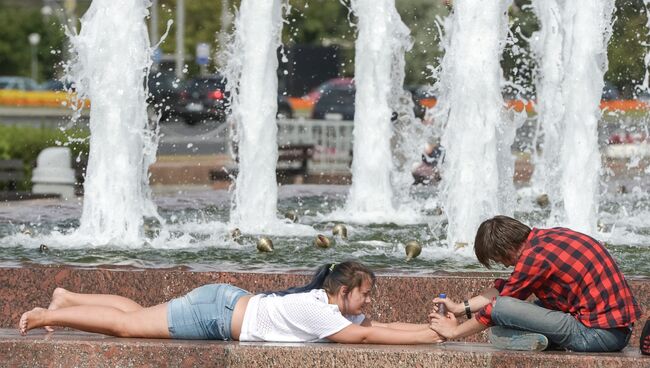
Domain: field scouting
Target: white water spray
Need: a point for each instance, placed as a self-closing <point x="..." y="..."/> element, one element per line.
<point x="547" y="47"/>
<point x="478" y="167"/>
<point x="380" y="46"/>
<point x="646" y="59"/>
<point x="253" y="84"/>
<point x="587" y="26"/>
<point x="111" y="56"/>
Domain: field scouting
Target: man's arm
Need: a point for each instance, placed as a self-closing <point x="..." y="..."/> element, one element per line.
<point x="481" y="300"/>
<point x="475" y="303"/>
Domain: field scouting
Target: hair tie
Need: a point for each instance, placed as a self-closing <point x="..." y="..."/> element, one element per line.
<point x="332" y="267"/>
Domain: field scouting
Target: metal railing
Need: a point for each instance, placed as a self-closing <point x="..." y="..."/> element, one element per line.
<point x="332" y="141"/>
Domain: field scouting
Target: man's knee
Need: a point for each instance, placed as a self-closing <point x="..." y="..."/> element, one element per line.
<point x="505" y="309"/>
<point x="505" y="303"/>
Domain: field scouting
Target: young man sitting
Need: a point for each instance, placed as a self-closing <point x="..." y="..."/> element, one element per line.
<point x="584" y="303"/>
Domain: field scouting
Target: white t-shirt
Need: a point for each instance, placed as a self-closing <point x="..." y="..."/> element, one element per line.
<point x="302" y="317"/>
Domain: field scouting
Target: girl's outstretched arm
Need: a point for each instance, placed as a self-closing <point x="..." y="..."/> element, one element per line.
<point x="355" y="334"/>
<point x="405" y="326"/>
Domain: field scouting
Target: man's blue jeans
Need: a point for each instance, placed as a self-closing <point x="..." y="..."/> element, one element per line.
<point x="562" y="329"/>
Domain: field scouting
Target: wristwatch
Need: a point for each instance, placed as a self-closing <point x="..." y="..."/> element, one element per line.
<point x="468" y="312"/>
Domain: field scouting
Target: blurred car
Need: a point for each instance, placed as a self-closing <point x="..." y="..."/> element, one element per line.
<point x="284" y="107"/>
<point x="337" y="103"/>
<point x="56" y="85"/>
<point x="424" y="97"/>
<point x="206" y="98"/>
<point x="18" y="83"/>
<point x="202" y="98"/>
<point x="314" y="95"/>
<point x="610" y="92"/>
<point x="164" y="91"/>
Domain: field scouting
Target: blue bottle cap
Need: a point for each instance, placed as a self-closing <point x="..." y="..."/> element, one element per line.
<point x="442" y="296"/>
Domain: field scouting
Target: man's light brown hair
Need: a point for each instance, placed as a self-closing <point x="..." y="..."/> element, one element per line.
<point x="498" y="238"/>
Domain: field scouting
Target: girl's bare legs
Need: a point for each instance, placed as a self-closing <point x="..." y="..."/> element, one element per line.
<point x="145" y="322"/>
<point x="62" y="298"/>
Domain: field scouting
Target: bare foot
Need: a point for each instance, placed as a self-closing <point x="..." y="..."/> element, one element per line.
<point x="58" y="301"/>
<point x="31" y="319"/>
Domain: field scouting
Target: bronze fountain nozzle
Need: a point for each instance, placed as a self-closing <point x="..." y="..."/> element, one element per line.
<point x="340" y="230"/>
<point x="264" y="244"/>
<point x="413" y="249"/>
<point x="322" y="241"/>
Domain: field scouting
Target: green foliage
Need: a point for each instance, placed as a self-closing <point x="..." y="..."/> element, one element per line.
<point x="517" y="62"/>
<point x="322" y="22"/>
<point x="422" y="17"/>
<point x="325" y="22"/>
<point x="25" y="143"/>
<point x="16" y="23"/>
<point x="625" y="50"/>
<point x="317" y="22"/>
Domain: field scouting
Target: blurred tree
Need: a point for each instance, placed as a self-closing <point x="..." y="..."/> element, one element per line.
<point x="322" y="23"/>
<point x="16" y="23"/>
<point x="424" y="18"/>
<point x="626" y="49"/>
<point x="328" y="22"/>
<point x="517" y="61"/>
<point x="202" y="23"/>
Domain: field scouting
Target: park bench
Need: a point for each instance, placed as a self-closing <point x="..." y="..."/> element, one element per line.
<point x="292" y="166"/>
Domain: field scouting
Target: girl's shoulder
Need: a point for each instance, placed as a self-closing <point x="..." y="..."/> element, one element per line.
<point x="319" y="294"/>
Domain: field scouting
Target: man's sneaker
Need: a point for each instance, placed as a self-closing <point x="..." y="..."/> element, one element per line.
<point x="644" y="341"/>
<point x="511" y="339"/>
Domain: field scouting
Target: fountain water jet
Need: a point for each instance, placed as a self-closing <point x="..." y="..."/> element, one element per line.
<point x="382" y="40"/>
<point x="112" y="57"/>
<point x="478" y="167"/>
<point x="199" y="230"/>
<point x="253" y="84"/>
<point x="547" y="47"/>
<point x="587" y="30"/>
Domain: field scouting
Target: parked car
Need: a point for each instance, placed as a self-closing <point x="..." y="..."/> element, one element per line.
<point x="206" y="98"/>
<point x="284" y="107"/>
<point x="337" y="103"/>
<point x="314" y="95"/>
<point x="610" y="92"/>
<point x="56" y="85"/>
<point x="202" y="98"/>
<point x="164" y="91"/>
<point x="423" y="97"/>
<point x="18" y="83"/>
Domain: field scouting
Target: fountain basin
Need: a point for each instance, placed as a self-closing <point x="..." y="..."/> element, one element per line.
<point x="197" y="234"/>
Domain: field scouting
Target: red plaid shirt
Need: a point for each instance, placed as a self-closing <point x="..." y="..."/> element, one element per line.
<point x="573" y="273"/>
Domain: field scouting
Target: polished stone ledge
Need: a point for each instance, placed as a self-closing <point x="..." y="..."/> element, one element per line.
<point x="396" y="298"/>
<point x="80" y="349"/>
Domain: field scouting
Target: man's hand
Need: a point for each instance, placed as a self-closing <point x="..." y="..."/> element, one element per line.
<point x="445" y="326"/>
<point x="458" y="309"/>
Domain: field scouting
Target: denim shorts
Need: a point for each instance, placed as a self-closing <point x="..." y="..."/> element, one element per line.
<point x="204" y="313"/>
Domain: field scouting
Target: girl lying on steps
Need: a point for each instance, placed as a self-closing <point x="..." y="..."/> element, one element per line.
<point x="329" y="307"/>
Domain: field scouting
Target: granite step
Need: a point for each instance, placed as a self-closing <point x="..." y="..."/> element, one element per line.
<point x="397" y="297"/>
<point x="80" y="349"/>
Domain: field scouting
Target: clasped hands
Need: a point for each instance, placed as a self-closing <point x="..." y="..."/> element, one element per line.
<point x="446" y="325"/>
